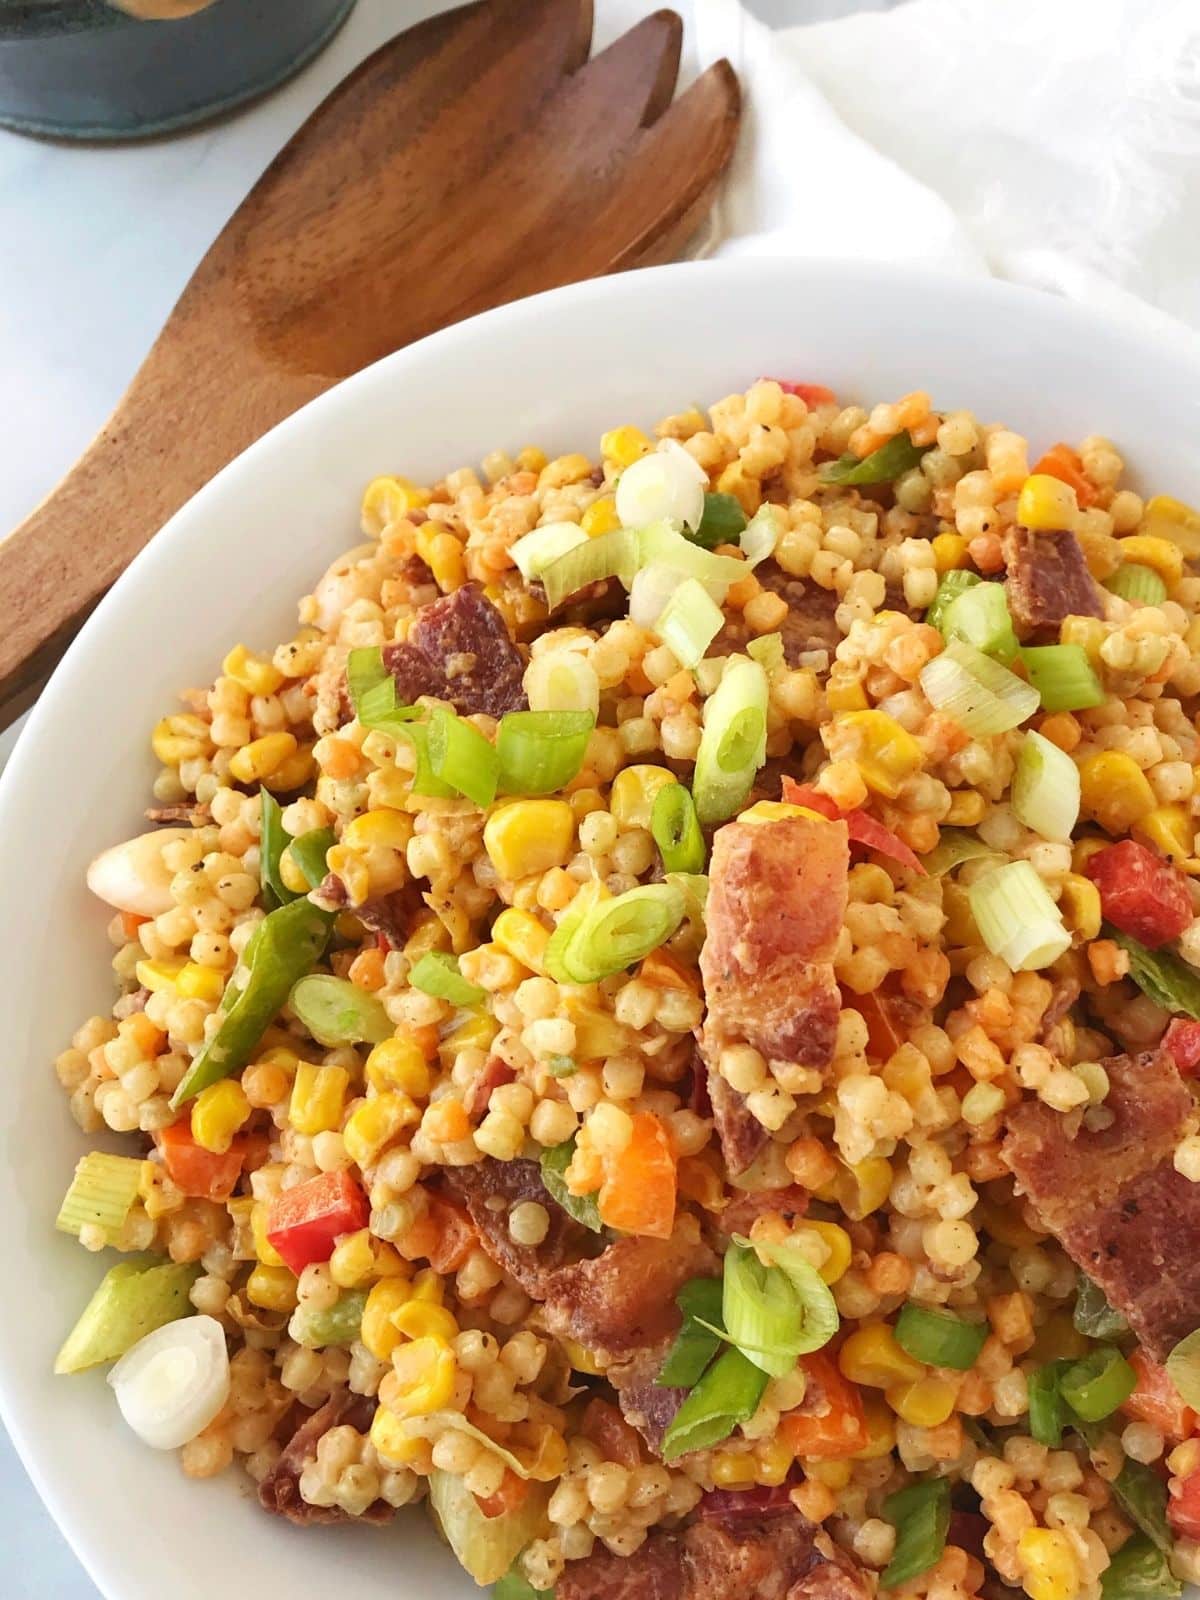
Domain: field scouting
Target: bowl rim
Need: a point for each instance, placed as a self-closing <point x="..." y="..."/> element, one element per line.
<point x="1121" y="338"/>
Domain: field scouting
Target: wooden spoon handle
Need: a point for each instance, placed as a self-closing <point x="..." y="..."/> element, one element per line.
<point x="186" y="414"/>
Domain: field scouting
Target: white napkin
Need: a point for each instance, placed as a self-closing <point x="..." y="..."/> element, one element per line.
<point x="1052" y="142"/>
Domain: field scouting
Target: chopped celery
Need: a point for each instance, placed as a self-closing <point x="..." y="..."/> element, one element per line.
<point x="486" y="1547"/>
<point x="953" y="583"/>
<point x="101" y="1193"/>
<point x="1141" y="586"/>
<point x="980" y="615"/>
<point x="339" y="1323"/>
<point x="131" y="1300"/>
<point x="1063" y="677"/>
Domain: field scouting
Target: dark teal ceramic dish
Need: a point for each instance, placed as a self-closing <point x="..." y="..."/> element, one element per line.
<point x="85" y="69"/>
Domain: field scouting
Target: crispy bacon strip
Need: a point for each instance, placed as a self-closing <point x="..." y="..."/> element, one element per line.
<point x="1048" y="581"/>
<point x="279" y="1491"/>
<point x="1113" y="1198"/>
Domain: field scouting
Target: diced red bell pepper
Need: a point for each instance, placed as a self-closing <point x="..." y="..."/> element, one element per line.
<point x="1140" y="893"/>
<point x="862" y="827"/>
<point x="304" y="1223"/>
<point x="813" y="394"/>
<point x="1182" y="1043"/>
<point x="607" y="1429"/>
<point x="1183" y="1508"/>
<point x="1156" y="1399"/>
<point x="195" y="1171"/>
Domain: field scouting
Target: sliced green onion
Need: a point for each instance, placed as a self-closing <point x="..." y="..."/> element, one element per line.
<point x="1168" y="981"/>
<point x="689" y="622"/>
<point x="1047" y="1409"/>
<point x="1183" y="1369"/>
<point x="562" y="680"/>
<point x="733" y="744"/>
<point x="617" y="932"/>
<point x="1093" y="1316"/>
<point x="954" y="847"/>
<point x="336" y="1011"/>
<point x="425" y="779"/>
<point x="764" y="1319"/>
<point x="953" y="583"/>
<point x="101" y="1195"/>
<point x="1046" y="789"/>
<point x="897" y="456"/>
<point x="587" y="896"/>
<point x="727" y="1394"/>
<point x="437" y="973"/>
<point x="1141" y="586"/>
<point x="695" y="1344"/>
<point x="514" y="1585"/>
<point x="1016" y="918"/>
<point x="309" y="852"/>
<point x="693" y="886"/>
<point x="939" y="1338"/>
<point x="461" y="756"/>
<point x="1137" y="1571"/>
<point x="676" y="830"/>
<point x="661" y="544"/>
<point x="583" y="1207"/>
<point x="667" y="482"/>
<point x="980" y="616"/>
<point x="340" y="1323"/>
<point x="378" y="707"/>
<point x="1063" y="677"/>
<point x="920" y="1515"/>
<point x="722" y="522"/>
<point x="272" y="841"/>
<point x="767" y="650"/>
<point x="1097" y="1384"/>
<point x="982" y="696"/>
<point x="615" y="554"/>
<point x="534" y="552"/>
<point x="541" y="751"/>
<point x="364" y="669"/>
<point x="761" y="534"/>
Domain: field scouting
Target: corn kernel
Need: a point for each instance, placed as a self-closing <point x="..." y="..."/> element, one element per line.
<point x="528" y="836"/>
<point x="318" y="1096"/>
<point x="1161" y="555"/>
<point x="631" y="800"/>
<point x="1004" y="1224"/>
<point x="376" y="1123"/>
<point x="864" y="1187"/>
<point x="881" y="1429"/>
<point x="180" y="738"/>
<point x="774" y="1463"/>
<point x="949" y="552"/>
<point x="291" y="874"/>
<point x="378" y="1332"/>
<point x="476" y="1033"/>
<point x="837" y="1242"/>
<point x="159" y="976"/>
<point x="398" y="1063"/>
<point x="887" y="754"/>
<point x="199" y="983"/>
<point x="386" y="500"/>
<point x="522" y="936"/>
<point x="600" y="517"/>
<point x="353" y="1260"/>
<point x="1167" y="829"/>
<point x="393" y="829"/>
<point x="845" y="694"/>
<point x="253" y="673"/>
<point x="597" y="1032"/>
<point x="924" y="1403"/>
<point x="1114" y="790"/>
<point x="872" y="1357"/>
<point x="531" y="459"/>
<point x="747" y="491"/>
<point x="1046" y="503"/>
<point x="263" y="1248"/>
<point x="967" y="809"/>
<point x="624" y="445"/>
<point x="424" y="1319"/>
<point x="272" y="1288"/>
<point x="1169" y="518"/>
<point x="733" y="1469"/>
<point x="1080" y="906"/>
<point x="394" y="1445"/>
<point x="833" y="1474"/>
<point x="429" y="1285"/>
<point x="217" y="1114"/>
<point x="426" y="1369"/>
<point x="293" y="773"/>
<point x="259" y="759"/>
<point x="562" y="470"/>
<point x="1049" y="1570"/>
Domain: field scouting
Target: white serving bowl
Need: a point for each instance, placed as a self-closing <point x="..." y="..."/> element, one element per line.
<point x="555" y="371"/>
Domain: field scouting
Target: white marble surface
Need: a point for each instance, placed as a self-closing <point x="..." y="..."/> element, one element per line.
<point x="97" y="243"/>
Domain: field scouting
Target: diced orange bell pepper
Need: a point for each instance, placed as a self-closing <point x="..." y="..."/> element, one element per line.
<point x="508" y="1497"/>
<point x="1156" y="1400"/>
<point x="604" y="1425"/>
<point x="304" y="1223"/>
<point x="1061" y="462"/>
<point x="444" y="1236"/>
<point x="831" y="1422"/>
<point x="638" y="1191"/>
<point x="195" y="1171"/>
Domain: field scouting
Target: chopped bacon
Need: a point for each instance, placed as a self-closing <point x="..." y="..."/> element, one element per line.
<point x="742" y="1136"/>
<point x="494" y="1075"/>
<point x="863" y="828"/>
<point x="732" y="1505"/>
<point x="1140" y="893"/>
<point x="459" y="649"/>
<point x="777" y="897"/>
<point x="194" y="812"/>
<point x="772" y="1557"/>
<point x="1048" y="581"/>
<point x="810" y="623"/>
<point x="279" y="1491"/>
<point x="646" y="1404"/>
<point x="1182" y="1043"/>
<point x="489" y="1191"/>
<point x="740" y="1215"/>
<point x="1113" y="1198"/>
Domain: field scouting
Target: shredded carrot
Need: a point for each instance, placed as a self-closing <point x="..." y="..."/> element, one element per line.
<point x="638" y="1192"/>
<point x="1061" y="462"/>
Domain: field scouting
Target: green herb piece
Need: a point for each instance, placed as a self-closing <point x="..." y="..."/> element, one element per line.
<point x="954" y="847"/>
<point x="309" y="850"/>
<point x="336" y="1011"/>
<point x="1047" y="1409"/>
<point x="365" y="670"/>
<point x="616" y="932"/>
<point x="1063" y="677"/>
<point x="515" y="1586"/>
<point x="583" y="1207"/>
<point x="273" y="841"/>
<point x="722" y="522"/>
<point x="1098" y="1383"/>
<point x="1093" y="1316"/>
<point x="460" y="756"/>
<point x="733" y="742"/>
<point x="980" y="615"/>
<point x="1168" y="981"/>
<point x="131" y="1300"/>
<point x="1183" y="1369"/>
<point x="1139" y="1571"/>
<point x="953" y="583"/>
<point x="1141" y="586"/>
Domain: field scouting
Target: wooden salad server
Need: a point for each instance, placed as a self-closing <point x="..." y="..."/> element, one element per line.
<point x="477" y="158"/>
